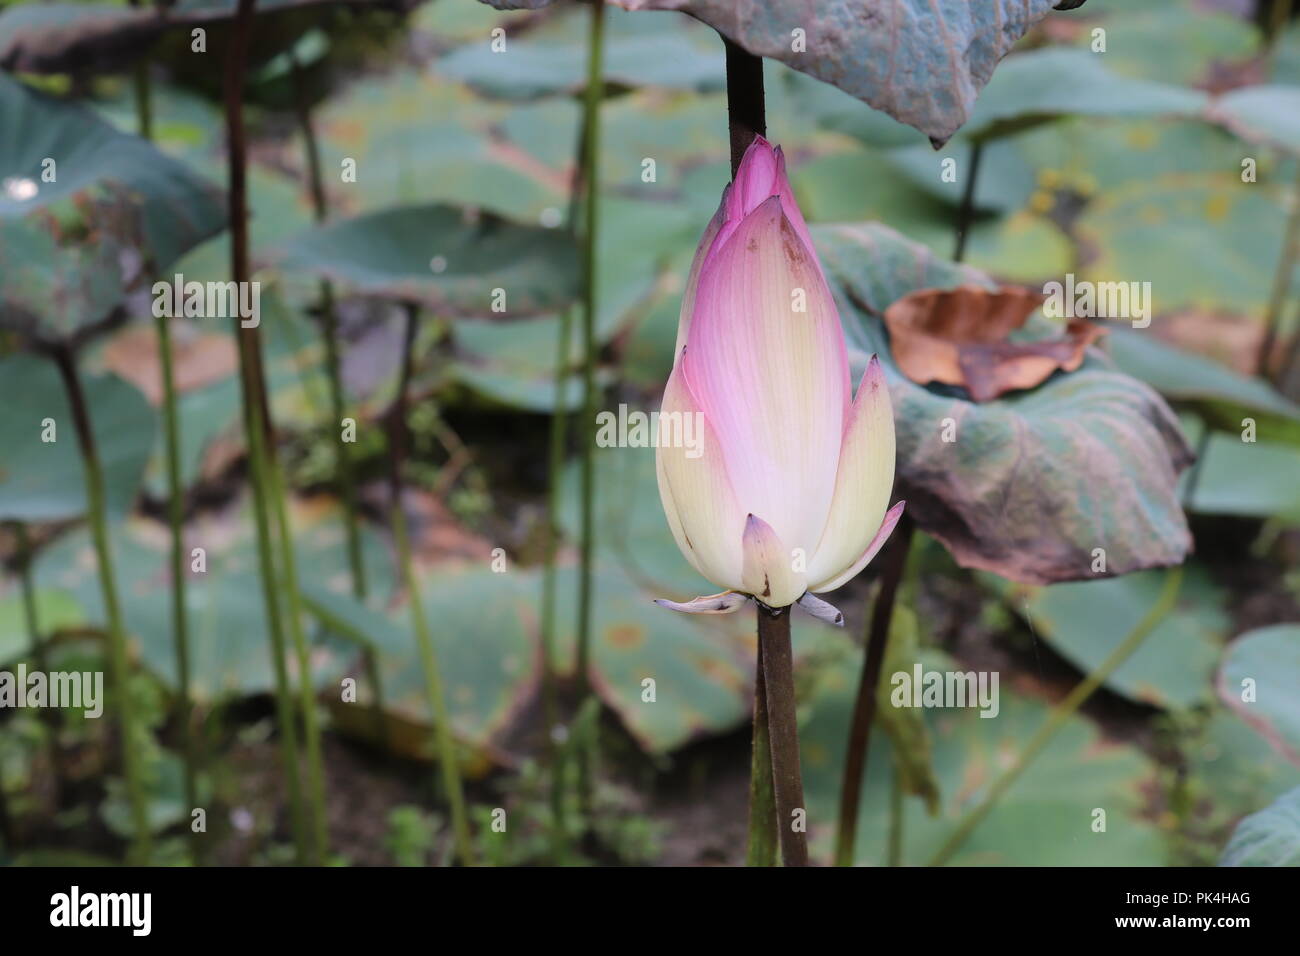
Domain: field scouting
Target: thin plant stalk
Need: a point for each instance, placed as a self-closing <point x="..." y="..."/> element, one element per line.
<point x="329" y="332"/>
<point x="1287" y="372"/>
<point x="118" y="664"/>
<point x="761" y="849"/>
<point x="443" y="738"/>
<point x="319" y="831"/>
<point x="555" y="468"/>
<point x="1061" y="713"/>
<point x="966" y="212"/>
<point x="343" y="464"/>
<point x="590" y="177"/>
<point x="1282" y="278"/>
<point x="882" y="613"/>
<point x="31" y="619"/>
<point x="143" y="94"/>
<point x="896" y="807"/>
<point x="864" y="703"/>
<point x="180" y="619"/>
<point x="783" y="731"/>
<point x="175" y="508"/>
<point x="369" y="654"/>
<point x="252" y="389"/>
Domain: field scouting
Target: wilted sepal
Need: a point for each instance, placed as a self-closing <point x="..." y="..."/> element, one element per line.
<point x="724" y="603"/>
<point x="822" y="610"/>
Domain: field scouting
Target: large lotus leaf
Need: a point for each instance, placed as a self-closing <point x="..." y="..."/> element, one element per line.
<point x="1201" y="241"/>
<point x="44" y="481"/>
<point x="662" y="50"/>
<point x="278" y="210"/>
<point x="1189" y="377"/>
<point x="1032" y="483"/>
<point x="86" y="213"/>
<point x="829" y="108"/>
<point x="1286" y="56"/>
<point x="55" y="610"/>
<point x="228" y="639"/>
<point x="861" y="185"/>
<point x="1041" y="85"/>
<point x="1262" y="114"/>
<point x="461" y="22"/>
<point x="1270" y="837"/>
<point x="515" y="364"/>
<point x="1045" y="819"/>
<point x="70" y="37"/>
<point x="1090" y="156"/>
<point x="404" y="153"/>
<point x="922" y="63"/>
<point x="1176" y="41"/>
<point x="481" y="625"/>
<point x="1004" y="183"/>
<point x="450" y="260"/>
<point x="1086" y="620"/>
<point x="1252" y="479"/>
<point x="702" y="665"/>
<point x="1258" y="679"/>
<point x="639" y="243"/>
<point x="1235" y="768"/>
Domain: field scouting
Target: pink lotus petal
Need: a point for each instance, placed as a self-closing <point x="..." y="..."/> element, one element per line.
<point x="697" y="495"/>
<point x="864" y="478"/>
<point x="878" y="542"/>
<point x="692" y="280"/>
<point x="772" y="381"/>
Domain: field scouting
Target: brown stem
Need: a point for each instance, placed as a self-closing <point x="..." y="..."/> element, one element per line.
<point x="783" y="733"/>
<point x="967" y="210"/>
<point x="746" y="116"/>
<point x="762" y="807"/>
<point x="864" y="706"/>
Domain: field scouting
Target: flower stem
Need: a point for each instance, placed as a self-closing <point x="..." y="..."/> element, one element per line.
<point x="1282" y="277"/>
<point x="746" y="113"/>
<point x="864" y="704"/>
<point x="252" y="390"/>
<point x="443" y="739"/>
<point x="761" y="850"/>
<point x="319" y="831"/>
<point x="118" y="664"/>
<point x="783" y="734"/>
<point x="555" y="468"/>
<point x="329" y="332"/>
<point x="966" y="212"/>
<point x="590" y="177"/>
<point x="895" y="856"/>
<point x="180" y="620"/>
<point x="1062" y="712"/>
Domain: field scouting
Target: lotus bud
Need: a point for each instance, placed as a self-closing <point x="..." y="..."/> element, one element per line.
<point x="786" y="493"/>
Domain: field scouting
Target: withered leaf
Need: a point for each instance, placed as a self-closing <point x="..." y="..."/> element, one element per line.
<point x="960" y="337"/>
